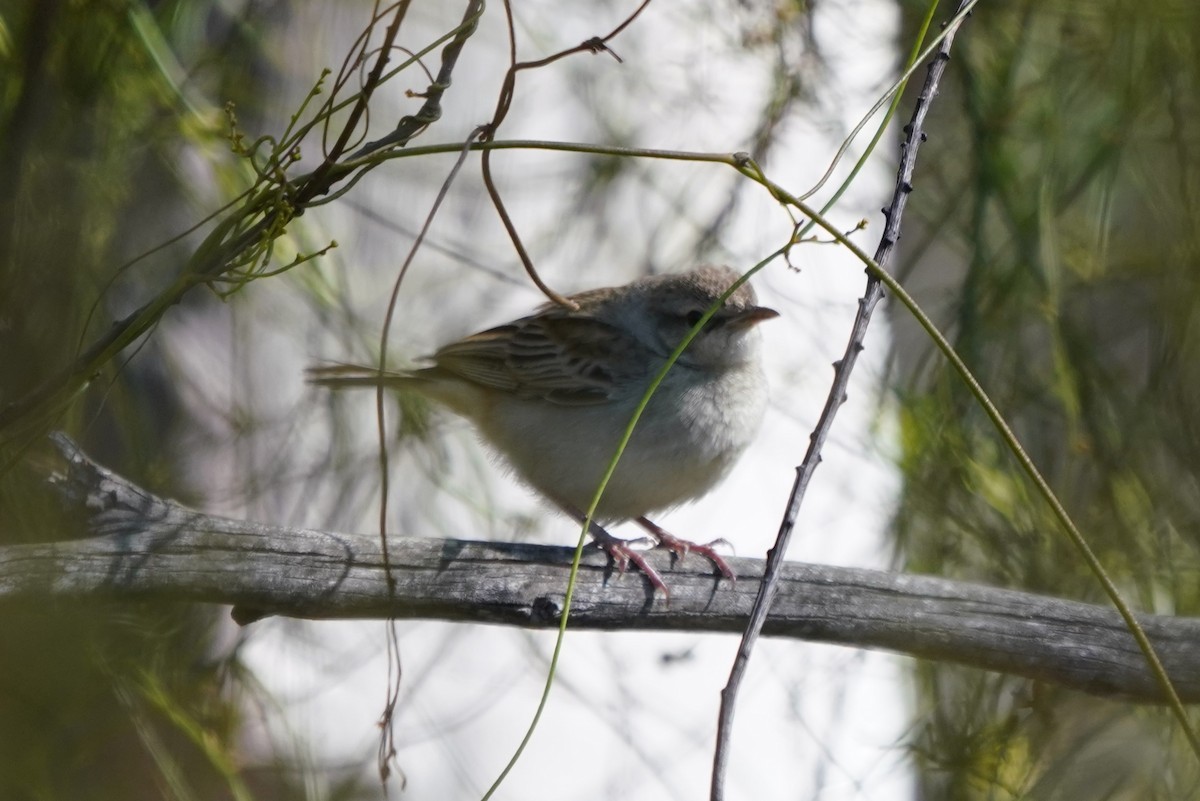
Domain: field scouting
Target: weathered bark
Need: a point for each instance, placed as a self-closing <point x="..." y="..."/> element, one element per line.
<point x="143" y="547"/>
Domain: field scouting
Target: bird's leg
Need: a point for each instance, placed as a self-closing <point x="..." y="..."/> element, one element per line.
<point x="619" y="551"/>
<point x="683" y="547"/>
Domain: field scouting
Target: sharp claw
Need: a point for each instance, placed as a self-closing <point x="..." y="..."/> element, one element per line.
<point x="651" y="574"/>
<point x="721" y="541"/>
<point x="683" y="547"/>
<point x="619" y="551"/>
<point x="619" y="557"/>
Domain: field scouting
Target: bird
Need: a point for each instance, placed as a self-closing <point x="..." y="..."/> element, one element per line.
<point x="554" y="392"/>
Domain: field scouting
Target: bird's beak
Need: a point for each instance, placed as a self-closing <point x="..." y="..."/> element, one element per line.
<point x="752" y="316"/>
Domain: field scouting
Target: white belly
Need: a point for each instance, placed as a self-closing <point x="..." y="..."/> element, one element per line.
<point x="686" y="441"/>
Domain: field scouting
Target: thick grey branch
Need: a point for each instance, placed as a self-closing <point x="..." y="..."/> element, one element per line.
<point x="143" y="547"/>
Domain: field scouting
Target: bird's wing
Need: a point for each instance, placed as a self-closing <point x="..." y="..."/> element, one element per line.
<point x="570" y="360"/>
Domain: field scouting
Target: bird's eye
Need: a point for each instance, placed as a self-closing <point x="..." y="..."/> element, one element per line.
<point x="693" y="317"/>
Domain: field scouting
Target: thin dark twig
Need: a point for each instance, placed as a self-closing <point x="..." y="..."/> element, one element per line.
<point x="356" y="58"/>
<point x="222" y="251"/>
<point x="596" y="44"/>
<point x="387" y="737"/>
<point x="431" y="110"/>
<point x="364" y="97"/>
<point x="408" y="127"/>
<point x="915" y="135"/>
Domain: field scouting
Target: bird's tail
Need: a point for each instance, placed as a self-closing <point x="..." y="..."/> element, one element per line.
<point x="345" y="376"/>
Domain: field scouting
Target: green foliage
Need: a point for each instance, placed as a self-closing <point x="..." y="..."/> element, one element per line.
<point x="102" y="702"/>
<point x="1061" y="190"/>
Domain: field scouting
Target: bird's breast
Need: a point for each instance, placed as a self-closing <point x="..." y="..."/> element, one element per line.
<point x="689" y="436"/>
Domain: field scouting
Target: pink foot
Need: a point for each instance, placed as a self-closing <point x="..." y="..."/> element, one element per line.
<point x="622" y="555"/>
<point x="620" y="552"/>
<point x="683" y="547"/>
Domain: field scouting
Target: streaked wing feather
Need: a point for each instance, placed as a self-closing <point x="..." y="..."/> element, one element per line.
<point x="480" y="358"/>
<point x="531" y="358"/>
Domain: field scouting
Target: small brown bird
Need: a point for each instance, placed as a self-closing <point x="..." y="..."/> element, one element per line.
<point x="554" y="392"/>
